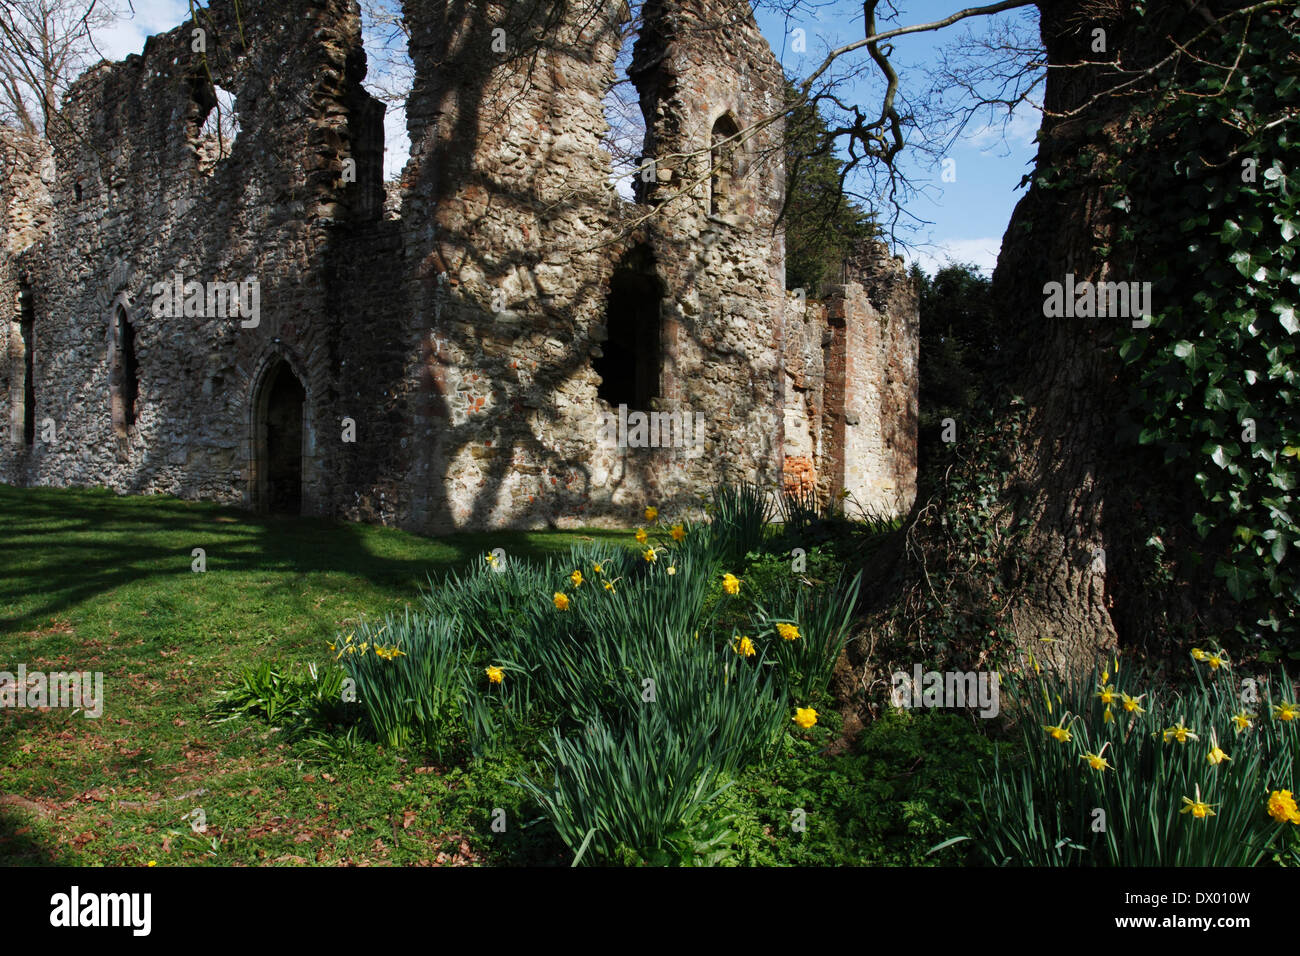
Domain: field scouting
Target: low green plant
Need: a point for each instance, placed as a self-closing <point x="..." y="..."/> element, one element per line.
<point x="408" y="676"/>
<point x="1114" y="770"/>
<point x="279" y="696"/>
<point x="740" y="517"/>
<point x="808" y="641"/>
<point x="641" y="789"/>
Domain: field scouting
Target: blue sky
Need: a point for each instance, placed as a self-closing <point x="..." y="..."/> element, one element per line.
<point x="967" y="217"/>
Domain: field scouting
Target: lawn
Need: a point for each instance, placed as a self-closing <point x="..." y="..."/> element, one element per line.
<point x="93" y="581"/>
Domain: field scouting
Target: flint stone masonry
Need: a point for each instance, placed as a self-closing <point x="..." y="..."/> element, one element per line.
<point x="457" y="319"/>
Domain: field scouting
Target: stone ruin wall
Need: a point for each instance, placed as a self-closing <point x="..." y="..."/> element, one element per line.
<point x="458" y="330"/>
<point x="853" y="387"/>
<point x="138" y="196"/>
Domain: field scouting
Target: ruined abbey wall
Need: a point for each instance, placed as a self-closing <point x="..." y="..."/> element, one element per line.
<point x="448" y="355"/>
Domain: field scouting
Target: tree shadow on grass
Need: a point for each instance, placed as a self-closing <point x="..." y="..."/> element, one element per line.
<point x="20" y="842"/>
<point x="68" y="546"/>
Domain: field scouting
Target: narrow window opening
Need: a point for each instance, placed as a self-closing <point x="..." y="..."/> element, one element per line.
<point x="26" y="333"/>
<point x="625" y="138"/>
<point x="723" y="159"/>
<point x="217" y="126"/>
<point x="631" y="363"/>
<point x="123" y="374"/>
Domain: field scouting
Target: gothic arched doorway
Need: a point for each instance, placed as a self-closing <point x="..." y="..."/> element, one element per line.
<point x="279" y="423"/>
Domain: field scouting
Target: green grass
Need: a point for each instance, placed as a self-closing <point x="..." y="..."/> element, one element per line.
<point x="93" y="581"/>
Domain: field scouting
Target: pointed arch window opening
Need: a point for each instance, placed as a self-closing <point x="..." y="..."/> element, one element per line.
<point x="722" y="160"/>
<point x="123" y="374"/>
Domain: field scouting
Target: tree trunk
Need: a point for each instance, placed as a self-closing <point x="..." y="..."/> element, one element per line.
<point x="1072" y="591"/>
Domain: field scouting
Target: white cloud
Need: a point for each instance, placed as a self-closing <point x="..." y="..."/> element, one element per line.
<point x="1000" y="133"/>
<point x="980" y="252"/>
<point x="127" y="33"/>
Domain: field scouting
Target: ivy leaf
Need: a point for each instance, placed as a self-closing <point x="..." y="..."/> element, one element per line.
<point x="1286" y="315"/>
<point x="1236" y="577"/>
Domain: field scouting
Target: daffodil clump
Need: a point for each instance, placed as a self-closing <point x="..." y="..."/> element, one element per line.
<point x="407" y="675"/>
<point x="656" y="656"/>
<point x="1181" y="777"/>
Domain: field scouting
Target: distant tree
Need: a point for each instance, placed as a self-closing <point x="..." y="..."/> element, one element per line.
<point x="959" y="349"/>
<point x="44" y="46"/>
<point x="821" y="223"/>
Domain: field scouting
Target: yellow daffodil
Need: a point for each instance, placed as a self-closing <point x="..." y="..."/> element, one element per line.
<point x="495" y="675"/>
<point x="1132" y="705"/>
<point x="1179" y="733"/>
<point x="561" y="601"/>
<point x="1098" y="760"/>
<point x="731" y="584"/>
<point x="1242" y="721"/>
<point x="332" y="645"/>
<point x="744" y="647"/>
<point x="805" y="717"/>
<point x="491" y="559"/>
<point x="641" y="536"/>
<point x="1216" y="755"/>
<point x="609" y="586"/>
<point x="1282" y="807"/>
<point x="1216" y="660"/>
<point x="1197" y="808"/>
<point x="1106" y="716"/>
<point x="678" y="532"/>
<point x="576" y="578"/>
<point x="1285" y="711"/>
<point x="672" y="569"/>
<point x="365" y="645"/>
<point x="788" y="632"/>
<point x="1106" y="694"/>
<point x="1198" y="654"/>
<point x="1059" y="732"/>
<point x="650" y="555"/>
<point x="651" y="513"/>
<point x="597" y="568"/>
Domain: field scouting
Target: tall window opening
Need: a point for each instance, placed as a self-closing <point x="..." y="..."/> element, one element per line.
<point x="123" y="373"/>
<point x="26" y="334"/>
<point x="630" y="365"/>
<point x="722" y="156"/>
